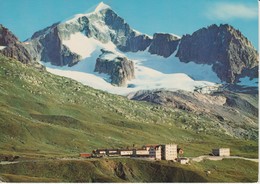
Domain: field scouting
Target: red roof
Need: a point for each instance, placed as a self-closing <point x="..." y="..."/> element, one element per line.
<point x="85" y="155"/>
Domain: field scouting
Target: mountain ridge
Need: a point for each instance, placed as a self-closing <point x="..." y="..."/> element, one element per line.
<point x="104" y="29"/>
<point x="223" y="46"/>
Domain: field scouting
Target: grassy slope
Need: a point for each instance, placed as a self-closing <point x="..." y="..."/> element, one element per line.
<point x="130" y="170"/>
<point x="46" y="115"/>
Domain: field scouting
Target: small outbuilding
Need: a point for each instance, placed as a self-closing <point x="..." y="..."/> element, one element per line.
<point x="85" y="155"/>
<point x="183" y="160"/>
<point x="221" y="152"/>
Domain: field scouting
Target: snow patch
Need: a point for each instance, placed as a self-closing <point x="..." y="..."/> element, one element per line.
<point x="172" y="65"/>
<point x="84" y="46"/>
<point x="2" y="47"/>
<point x="109" y="56"/>
<point x="102" y="27"/>
<point x="137" y="32"/>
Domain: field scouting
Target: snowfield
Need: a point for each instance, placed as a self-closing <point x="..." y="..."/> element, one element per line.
<point x="84" y="46"/>
<point x="2" y="47"/>
<point x="151" y="71"/>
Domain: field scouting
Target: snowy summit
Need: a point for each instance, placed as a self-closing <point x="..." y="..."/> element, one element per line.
<point x="102" y="6"/>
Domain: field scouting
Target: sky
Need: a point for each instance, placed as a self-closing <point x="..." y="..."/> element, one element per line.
<point x="180" y="17"/>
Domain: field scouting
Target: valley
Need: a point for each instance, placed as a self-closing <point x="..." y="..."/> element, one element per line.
<point x="93" y="82"/>
<point x="61" y="118"/>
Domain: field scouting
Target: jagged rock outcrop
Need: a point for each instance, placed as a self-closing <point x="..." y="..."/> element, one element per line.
<point x="224" y="47"/>
<point x="119" y="68"/>
<point x="164" y="44"/>
<point x="13" y="47"/>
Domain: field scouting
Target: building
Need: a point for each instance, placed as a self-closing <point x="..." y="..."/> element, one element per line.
<point x="155" y="151"/>
<point x="85" y="155"/>
<point x="100" y="151"/>
<point x="221" y="152"/>
<point x="151" y="151"/>
<point x="126" y="152"/>
<point x="183" y="160"/>
<point x="113" y="152"/>
<point x="169" y="152"/>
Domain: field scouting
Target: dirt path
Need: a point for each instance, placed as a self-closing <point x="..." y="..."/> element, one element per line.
<point x="7" y="162"/>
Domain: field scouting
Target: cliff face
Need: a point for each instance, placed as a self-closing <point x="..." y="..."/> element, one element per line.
<point x="223" y="46"/>
<point x="125" y="38"/>
<point x="164" y="44"/>
<point x="119" y="68"/>
<point x="13" y="47"/>
<point x="46" y="45"/>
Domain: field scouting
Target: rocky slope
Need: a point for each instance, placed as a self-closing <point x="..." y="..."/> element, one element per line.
<point x="164" y="44"/>
<point x="119" y="68"/>
<point x="12" y="47"/>
<point x="230" y="53"/>
<point x="233" y="110"/>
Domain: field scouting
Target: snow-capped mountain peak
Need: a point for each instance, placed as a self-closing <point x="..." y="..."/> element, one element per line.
<point x="76" y="46"/>
<point x="102" y="6"/>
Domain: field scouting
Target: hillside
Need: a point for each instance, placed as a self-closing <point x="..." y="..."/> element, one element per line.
<point x="47" y="115"/>
<point x="129" y="170"/>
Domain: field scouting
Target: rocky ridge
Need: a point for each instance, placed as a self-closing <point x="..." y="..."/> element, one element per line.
<point x="230" y="53"/>
<point x="13" y="47"/>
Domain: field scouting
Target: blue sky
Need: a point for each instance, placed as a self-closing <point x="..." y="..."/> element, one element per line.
<point x="24" y="17"/>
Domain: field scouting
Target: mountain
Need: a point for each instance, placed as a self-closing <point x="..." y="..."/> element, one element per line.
<point x="221" y="53"/>
<point x="47" y="120"/>
<point x="10" y="46"/>
<point x="101" y="28"/>
<point x="224" y="47"/>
